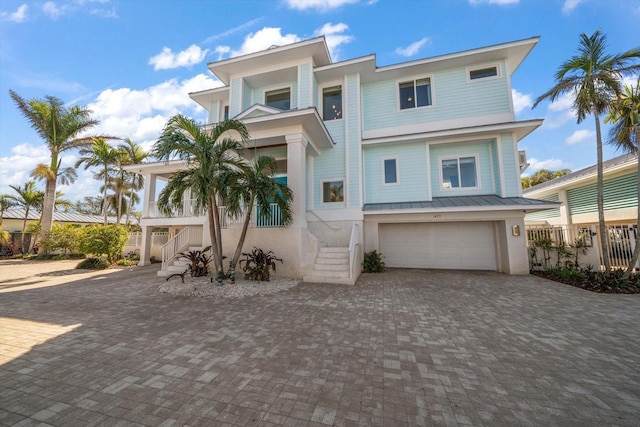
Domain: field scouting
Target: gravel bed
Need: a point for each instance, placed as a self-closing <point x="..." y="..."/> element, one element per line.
<point x="202" y="287"/>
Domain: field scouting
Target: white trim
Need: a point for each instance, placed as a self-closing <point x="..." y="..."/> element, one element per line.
<point x="359" y="141"/>
<point x="428" y="170"/>
<point x="347" y="193"/>
<point x="413" y="79"/>
<point x="500" y="165"/>
<point x="458" y="157"/>
<point x="519" y="211"/>
<point x="514" y="143"/>
<point x="343" y="202"/>
<point x="321" y="89"/>
<point x="495" y="65"/>
<point x="493" y="177"/>
<point x="310" y="182"/>
<point x="384" y="171"/>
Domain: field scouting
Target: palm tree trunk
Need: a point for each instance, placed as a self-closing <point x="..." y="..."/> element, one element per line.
<point x="636" y="249"/>
<point x="243" y="235"/>
<point x="104" y="198"/>
<point x="24" y="228"/>
<point x="604" y="242"/>
<point x="46" y="220"/>
<point x="218" y="231"/>
<point x="217" y="256"/>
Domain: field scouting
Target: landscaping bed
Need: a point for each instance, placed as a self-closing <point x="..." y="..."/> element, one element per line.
<point x="594" y="281"/>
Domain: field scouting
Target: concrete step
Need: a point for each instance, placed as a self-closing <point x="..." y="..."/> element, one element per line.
<point x="329" y="249"/>
<point x="333" y="255"/>
<point x="166" y="273"/>
<point x="178" y="268"/>
<point x="329" y="280"/>
<point x="331" y="267"/>
<point x="329" y="273"/>
<point x="332" y="261"/>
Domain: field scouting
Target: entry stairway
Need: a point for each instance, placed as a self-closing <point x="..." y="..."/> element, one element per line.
<point x="331" y="266"/>
<point x="179" y="264"/>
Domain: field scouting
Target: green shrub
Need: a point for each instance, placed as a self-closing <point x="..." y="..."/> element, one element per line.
<point x="63" y="237"/>
<point x="124" y="262"/>
<point x="108" y="240"/>
<point x="257" y="264"/>
<point x="373" y="262"/>
<point x="93" y="264"/>
<point x="594" y="281"/>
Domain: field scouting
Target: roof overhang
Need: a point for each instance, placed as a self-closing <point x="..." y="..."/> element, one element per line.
<point x="163" y="169"/>
<point x="315" y="48"/>
<point x="486" y="203"/>
<point x="206" y="97"/>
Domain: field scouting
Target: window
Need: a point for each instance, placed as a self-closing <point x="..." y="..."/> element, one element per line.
<point x="332" y="103"/>
<point x="459" y="173"/>
<point x="416" y="93"/>
<point x="280" y="99"/>
<point x="226" y="112"/>
<point x="332" y="191"/>
<point x="390" y="171"/>
<point x="483" y="73"/>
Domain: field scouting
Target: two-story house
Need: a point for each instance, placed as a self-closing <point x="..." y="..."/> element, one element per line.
<point x="417" y="160"/>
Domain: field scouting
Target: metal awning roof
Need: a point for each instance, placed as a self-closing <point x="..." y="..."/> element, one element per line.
<point x="460" y="203"/>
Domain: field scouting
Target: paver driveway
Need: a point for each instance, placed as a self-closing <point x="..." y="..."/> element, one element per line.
<point x="400" y="348"/>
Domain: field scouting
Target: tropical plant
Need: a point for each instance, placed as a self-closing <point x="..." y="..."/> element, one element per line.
<point x="251" y="187"/>
<point x="210" y="155"/>
<point x="6" y="202"/>
<point x="593" y="79"/>
<point x="108" y="240"/>
<point x="61" y="129"/>
<point x="132" y="154"/>
<point x="198" y="261"/>
<point x="63" y="237"/>
<point x="103" y="156"/>
<point x="28" y="197"/>
<point x="93" y="264"/>
<point x="258" y="263"/>
<point x="579" y="246"/>
<point x="543" y="175"/>
<point x="373" y="262"/>
<point x="625" y="134"/>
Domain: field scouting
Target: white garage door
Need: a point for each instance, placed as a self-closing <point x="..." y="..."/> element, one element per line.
<point x="453" y="245"/>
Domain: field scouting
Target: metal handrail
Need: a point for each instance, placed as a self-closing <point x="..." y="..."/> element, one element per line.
<point x="354" y="245"/>
<point x="187" y="236"/>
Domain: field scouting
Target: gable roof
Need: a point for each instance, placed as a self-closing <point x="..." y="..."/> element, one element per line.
<point x="608" y="166"/>
<point x="58" y="217"/>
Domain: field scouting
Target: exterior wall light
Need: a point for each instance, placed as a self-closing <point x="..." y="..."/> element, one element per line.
<point x="515" y="230"/>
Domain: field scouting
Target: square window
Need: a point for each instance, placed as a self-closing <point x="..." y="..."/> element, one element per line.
<point x="390" y="171"/>
<point x="416" y="93"/>
<point x="332" y="103"/>
<point x="332" y="191"/>
<point x="280" y="99"/>
<point x="459" y="172"/>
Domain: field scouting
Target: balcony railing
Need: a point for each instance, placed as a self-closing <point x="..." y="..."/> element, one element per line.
<point x="189" y="210"/>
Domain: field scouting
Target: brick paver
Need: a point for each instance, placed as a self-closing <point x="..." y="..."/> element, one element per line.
<point x="406" y="347"/>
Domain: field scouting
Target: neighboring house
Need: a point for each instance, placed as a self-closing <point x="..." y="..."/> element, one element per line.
<point x="577" y="195"/>
<point x="417" y="160"/>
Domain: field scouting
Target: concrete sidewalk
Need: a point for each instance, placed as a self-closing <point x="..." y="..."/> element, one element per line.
<point x="406" y="347"/>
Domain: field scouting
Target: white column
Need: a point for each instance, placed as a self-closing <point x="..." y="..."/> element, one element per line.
<point x="149" y="194"/>
<point x="296" y="176"/>
<point x="145" y="249"/>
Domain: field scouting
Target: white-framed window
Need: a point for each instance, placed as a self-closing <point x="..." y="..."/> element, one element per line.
<point x="459" y="172"/>
<point x="332" y="103"/>
<point x="226" y="112"/>
<point x="483" y="72"/>
<point x="415" y="93"/>
<point x="390" y="170"/>
<point x="279" y="98"/>
<point x="333" y="191"/>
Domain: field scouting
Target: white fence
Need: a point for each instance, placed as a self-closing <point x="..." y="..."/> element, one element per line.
<point x="621" y="240"/>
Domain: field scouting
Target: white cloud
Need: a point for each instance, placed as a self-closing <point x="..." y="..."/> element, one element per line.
<point x="166" y="59"/>
<point x="264" y="39"/>
<point x="53" y="10"/>
<point x="520" y="101"/>
<point x="320" y="5"/>
<point x="413" y="48"/>
<point x="579" y="136"/>
<point x="498" y="2"/>
<point x="20" y="15"/>
<point x="548" y="164"/>
<point x="569" y="5"/>
<point x="17" y="166"/>
<point x="560" y="112"/>
<point x="334" y="38"/>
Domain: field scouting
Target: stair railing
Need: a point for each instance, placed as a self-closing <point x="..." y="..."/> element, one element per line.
<point x="354" y="247"/>
<point x="185" y="237"/>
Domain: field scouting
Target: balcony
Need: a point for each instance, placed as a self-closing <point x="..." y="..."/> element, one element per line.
<point x="187" y="210"/>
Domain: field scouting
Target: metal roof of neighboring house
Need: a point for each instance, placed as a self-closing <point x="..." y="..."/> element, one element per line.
<point x="486" y="202"/>
<point x="591" y="171"/>
<point x="59" y="217"/>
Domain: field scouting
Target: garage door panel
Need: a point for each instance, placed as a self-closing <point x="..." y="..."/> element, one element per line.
<point x="468" y="246"/>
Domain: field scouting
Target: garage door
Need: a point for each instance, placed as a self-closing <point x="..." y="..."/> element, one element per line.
<point x="453" y="245"/>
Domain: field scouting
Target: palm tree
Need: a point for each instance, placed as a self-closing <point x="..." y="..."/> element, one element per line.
<point x="625" y="134"/>
<point x="102" y="155"/>
<point x="61" y="129"/>
<point x="28" y="197"/>
<point x="133" y="154"/>
<point x="210" y="155"/>
<point x="255" y="186"/>
<point x="6" y="202"/>
<point x="593" y="78"/>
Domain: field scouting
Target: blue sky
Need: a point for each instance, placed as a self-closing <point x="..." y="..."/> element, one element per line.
<point x="134" y="61"/>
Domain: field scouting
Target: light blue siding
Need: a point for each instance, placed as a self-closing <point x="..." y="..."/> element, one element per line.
<point x="214" y="112"/>
<point x="483" y="168"/>
<point x="235" y="107"/>
<point x="510" y="166"/>
<point x="411" y="169"/>
<point x="304" y="81"/>
<point x="352" y="140"/>
<point x="246" y="95"/>
<point x="453" y="98"/>
<point x="549" y="213"/>
<point x="330" y="165"/>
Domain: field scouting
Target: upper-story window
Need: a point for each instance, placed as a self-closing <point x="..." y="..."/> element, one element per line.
<point x="415" y="93"/>
<point x="459" y="172"/>
<point x="484" y="72"/>
<point x="226" y="112"/>
<point x="332" y="103"/>
<point x="390" y="170"/>
<point x="333" y="191"/>
<point x="280" y="98"/>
